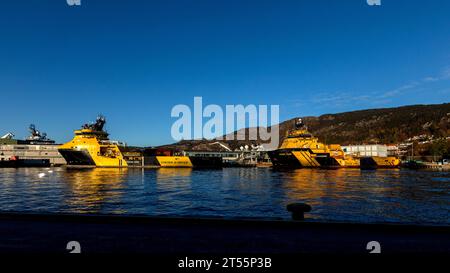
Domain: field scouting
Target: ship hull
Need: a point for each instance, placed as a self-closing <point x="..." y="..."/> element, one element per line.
<point x="329" y="162"/>
<point x="305" y="158"/>
<point x="284" y="159"/>
<point x="25" y="163"/>
<point x="77" y="157"/>
<point x="200" y="162"/>
<point x="185" y="161"/>
<point x="374" y="162"/>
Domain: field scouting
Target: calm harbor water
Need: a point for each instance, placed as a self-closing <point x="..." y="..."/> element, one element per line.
<point x="336" y="195"/>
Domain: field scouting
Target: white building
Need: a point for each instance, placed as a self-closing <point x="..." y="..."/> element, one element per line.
<point x="366" y="150"/>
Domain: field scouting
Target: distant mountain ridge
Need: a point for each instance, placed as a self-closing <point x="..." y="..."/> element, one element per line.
<point x="385" y="125"/>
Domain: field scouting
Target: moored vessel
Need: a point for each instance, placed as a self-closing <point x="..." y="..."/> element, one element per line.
<point x="175" y="159"/>
<point x="15" y="162"/>
<point x="300" y="149"/>
<point x="91" y="147"/>
<point x="378" y="162"/>
<point x="37" y="150"/>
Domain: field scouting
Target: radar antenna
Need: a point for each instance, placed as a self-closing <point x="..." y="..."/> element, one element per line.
<point x="97" y="125"/>
<point x="36" y="134"/>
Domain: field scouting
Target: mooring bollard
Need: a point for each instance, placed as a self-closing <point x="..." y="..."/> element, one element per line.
<point x="298" y="210"/>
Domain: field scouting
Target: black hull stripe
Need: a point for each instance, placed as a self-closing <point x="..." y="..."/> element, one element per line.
<point x="73" y="157"/>
<point x="289" y="161"/>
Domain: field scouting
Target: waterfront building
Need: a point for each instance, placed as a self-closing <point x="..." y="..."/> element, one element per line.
<point x="380" y="150"/>
<point x="35" y="147"/>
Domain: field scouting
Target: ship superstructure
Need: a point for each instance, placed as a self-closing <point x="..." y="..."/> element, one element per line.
<point x="36" y="150"/>
<point x="92" y="147"/>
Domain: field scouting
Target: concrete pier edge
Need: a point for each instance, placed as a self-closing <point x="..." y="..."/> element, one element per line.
<point x="48" y="233"/>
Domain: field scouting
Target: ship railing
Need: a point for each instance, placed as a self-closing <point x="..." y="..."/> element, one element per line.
<point x="112" y="142"/>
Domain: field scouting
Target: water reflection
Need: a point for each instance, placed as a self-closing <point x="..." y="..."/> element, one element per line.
<point x="167" y="173"/>
<point x="342" y="194"/>
<point x="90" y="188"/>
<point x="172" y="184"/>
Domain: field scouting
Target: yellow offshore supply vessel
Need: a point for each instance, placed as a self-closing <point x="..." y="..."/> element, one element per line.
<point x="375" y="162"/>
<point x="91" y="147"/>
<point x="169" y="158"/>
<point x="302" y="149"/>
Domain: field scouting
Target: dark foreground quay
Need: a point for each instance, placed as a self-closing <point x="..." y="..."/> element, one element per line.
<point x="50" y="233"/>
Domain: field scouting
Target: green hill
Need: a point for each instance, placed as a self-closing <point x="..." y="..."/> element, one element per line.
<point x="386" y="125"/>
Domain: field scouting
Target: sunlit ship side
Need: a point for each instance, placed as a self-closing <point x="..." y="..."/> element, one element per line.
<point x="171" y="159"/>
<point x="91" y="147"/>
<point x="378" y="162"/>
<point x="300" y="149"/>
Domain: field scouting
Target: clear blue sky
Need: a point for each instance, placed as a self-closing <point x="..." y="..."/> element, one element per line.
<point x="133" y="60"/>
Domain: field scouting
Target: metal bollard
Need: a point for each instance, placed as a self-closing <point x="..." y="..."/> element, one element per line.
<point x="298" y="210"/>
